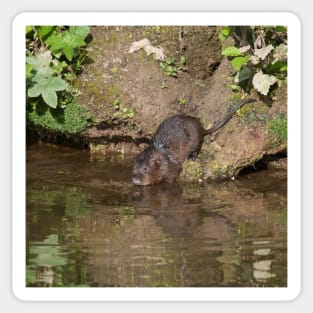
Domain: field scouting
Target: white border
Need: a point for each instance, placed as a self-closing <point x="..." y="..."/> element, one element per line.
<point x="147" y="294"/>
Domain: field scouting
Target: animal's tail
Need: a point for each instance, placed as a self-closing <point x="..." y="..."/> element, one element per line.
<point x="227" y="117"/>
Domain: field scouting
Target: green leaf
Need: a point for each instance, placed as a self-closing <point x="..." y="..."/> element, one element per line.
<point x="238" y="62"/>
<point x="231" y="51"/>
<point x="244" y="74"/>
<point x="276" y="67"/>
<point x="47" y="87"/>
<point x="224" y="33"/>
<point x="170" y="61"/>
<point x="77" y="42"/>
<point x="28" y="29"/>
<point x="263" y="82"/>
<point x="280" y="29"/>
<point x="66" y="42"/>
<point x="55" y="42"/>
<point x="29" y="69"/>
<point x="34" y="91"/>
<point x="68" y="52"/>
<point x="81" y="31"/>
<point x="57" y="83"/>
<point x="41" y="64"/>
<point x="44" y="30"/>
<point x="50" y="97"/>
<point x="116" y="104"/>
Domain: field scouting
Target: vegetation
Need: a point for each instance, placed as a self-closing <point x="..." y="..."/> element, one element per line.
<point x="277" y="130"/>
<point x="171" y="66"/>
<point x="72" y="119"/>
<point x="54" y="58"/>
<point x="258" y="56"/>
<point x="121" y="111"/>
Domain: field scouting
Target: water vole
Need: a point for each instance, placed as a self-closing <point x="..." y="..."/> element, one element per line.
<point x="177" y="138"/>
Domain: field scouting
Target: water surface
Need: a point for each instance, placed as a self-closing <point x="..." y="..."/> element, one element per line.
<point x="87" y="225"/>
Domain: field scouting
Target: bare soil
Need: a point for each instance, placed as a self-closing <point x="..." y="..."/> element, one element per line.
<point x="117" y="82"/>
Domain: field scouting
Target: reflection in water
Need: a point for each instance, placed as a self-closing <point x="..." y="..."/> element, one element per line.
<point x="87" y="225"/>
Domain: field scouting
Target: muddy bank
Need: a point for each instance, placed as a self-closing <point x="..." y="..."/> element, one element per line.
<point x="129" y="94"/>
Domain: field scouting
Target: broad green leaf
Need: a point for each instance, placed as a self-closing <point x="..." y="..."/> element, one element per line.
<point x="68" y="52"/>
<point x="244" y="74"/>
<point x="67" y="37"/>
<point x="28" y="29"/>
<point x="34" y="91"/>
<point x="238" y="62"/>
<point x="66" y="42"/>
<point x="44" y="30"/>
<point x="29" y="69"/>
<point x="81" y="31"/>
<point x="50" y="97"/>
<point x="277" y="66"/>
<point x="224" y="33"/>
<point x="57" y="83"/>
<point x="263" y="82"/>
<point x="47" y="87"/>
<point x="41" y="64"/>
<point x="40" y="59"/>
<point x="55" y="42"/>
<point x="77" y="42"/>
<point x="231" y="51"/>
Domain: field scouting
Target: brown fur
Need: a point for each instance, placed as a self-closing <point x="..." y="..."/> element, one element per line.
<point x="177" y="138"/>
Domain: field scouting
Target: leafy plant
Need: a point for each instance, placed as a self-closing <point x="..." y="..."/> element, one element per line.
<point x="259" y="55"/>
<point x="171" y="67"/>
<point x="121" y="111"/>
<point x="182" y="101"/>
<point x="66" y="42"/>
<point x="43" y="79"/>
<point x="53" y="56"/>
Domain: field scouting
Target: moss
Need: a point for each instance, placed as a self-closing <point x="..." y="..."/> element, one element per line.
<point x="208" y="171"/>
<point x="251" y="113"/>
<point x="217" y="171"/>
<point x="256" y="112"/>
<point x="277" y="130"/>
<point x="97" y="149"/>
<point x="73" y="119"/>
<point x="192" y="171"/>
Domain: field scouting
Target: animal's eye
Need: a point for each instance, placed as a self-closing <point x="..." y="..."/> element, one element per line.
<point x="145" y="169"/>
